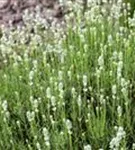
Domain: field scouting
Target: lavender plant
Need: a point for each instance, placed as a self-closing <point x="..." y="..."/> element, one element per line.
<point x="69" y="88"/>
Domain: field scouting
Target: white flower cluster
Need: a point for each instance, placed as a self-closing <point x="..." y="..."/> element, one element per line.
<point x="53" y="103"/>
<point x="30" y="116"/>
<point x="119" y="66"/>
<point x="79" y="101"/>
<point x="114" y="91"/>
<point x="5" y="110"/>
<point x="124" y="86"/>
<point x="115" y="11"/>
<point x="48" y="92"/>
<point x="117" y="60"/>
<point x="119" y="110"/>
<point x="85" y="83"/>
<point x="68" y="124"/>
<point x="100" y="65"/>
<point x="133" y="146"/>
<point x="61" y="90"/>
<point x="34" y="18"/>
<point x="35" y="103"/>
<point x="115" y="142"/>
<point x="110" y="40"/>
<point x="74" y="93"/>
<point x="46" y="136"/>
<point x="60" y="75"/>
<point x="87" y="147"/>
<point x="38" y="146"/>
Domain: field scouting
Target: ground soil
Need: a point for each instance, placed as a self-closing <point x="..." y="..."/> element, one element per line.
<point x="11" y="11"/>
